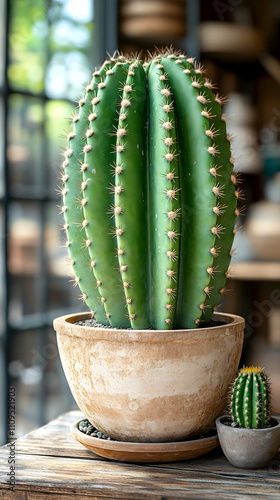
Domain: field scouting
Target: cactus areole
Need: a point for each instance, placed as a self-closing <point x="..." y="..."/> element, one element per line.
<point x="149" y="194"/>
<point x="250" y="398"/>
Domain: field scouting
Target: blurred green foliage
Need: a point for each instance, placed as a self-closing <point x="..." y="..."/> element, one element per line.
<point x="50" y="46"/>
<point x="50" y="50"/>
<point x="28" y="45"/>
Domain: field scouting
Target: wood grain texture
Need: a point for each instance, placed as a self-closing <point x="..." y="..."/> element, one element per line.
<point x="50" y="464"/>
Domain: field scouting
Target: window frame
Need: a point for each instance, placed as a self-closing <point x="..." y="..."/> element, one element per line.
<point x="104" y="41"/>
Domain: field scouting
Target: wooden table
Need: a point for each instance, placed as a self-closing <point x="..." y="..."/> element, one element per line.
<point x="52" y="465"/>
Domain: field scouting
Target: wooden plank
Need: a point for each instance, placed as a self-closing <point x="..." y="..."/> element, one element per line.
<point x="29" y="495"/>
<point x="215" y="462"/>
<point x="212" y="463"/>
<point x="50" y="464"/>
<point x="54" y="439"/>
<point x="117" y="480"/>
<point x="195" y="495"/>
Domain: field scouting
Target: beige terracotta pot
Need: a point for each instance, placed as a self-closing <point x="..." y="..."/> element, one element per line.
<point x="146" y="385"/>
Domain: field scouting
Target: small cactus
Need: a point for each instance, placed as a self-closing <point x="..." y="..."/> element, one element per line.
<point x="149" y="194"/>
<point x="250" y="398"/>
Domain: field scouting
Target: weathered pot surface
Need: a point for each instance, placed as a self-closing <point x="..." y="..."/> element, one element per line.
<point x="150" y="385"/>
<point x="249" y="448"/>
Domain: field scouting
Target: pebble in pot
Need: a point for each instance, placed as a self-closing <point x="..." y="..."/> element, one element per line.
<point x="87" y="428"/>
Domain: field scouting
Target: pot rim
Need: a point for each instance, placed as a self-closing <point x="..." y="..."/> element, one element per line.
<point x="65" y="325"/>
<point x="245" y="430"/>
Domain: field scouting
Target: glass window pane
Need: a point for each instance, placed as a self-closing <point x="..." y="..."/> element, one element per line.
<point x="50" y="57"/>
<point x="61" y="292"/>
<point x="56" y="252"/>
<point x="2" y="152"/>
<point x="70" y="48"/>
<point x="2" y="41"/>
<point x="55" y="381"/>
<point x="81" y="12"/>
<point x="2" y="272"/>
<point x="28" y="45"/>
<point x="24" y="298"/>
<point x="25" y="143"/>
<point x="26" y="377"/>
<point x="3" y="409"/>
<point x="66" y="74"/>
<point x="37" y="376"/>
<point x="24" y="259"/>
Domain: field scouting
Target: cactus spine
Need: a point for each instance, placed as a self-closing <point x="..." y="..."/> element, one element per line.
<point x="250" y="398"/>
<point x="149" y="163"/>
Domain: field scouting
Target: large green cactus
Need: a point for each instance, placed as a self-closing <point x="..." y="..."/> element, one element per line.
<point x="149" y="194"/>
<point x="250" y="398"/>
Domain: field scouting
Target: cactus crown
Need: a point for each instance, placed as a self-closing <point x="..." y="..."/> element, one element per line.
<point x="149" y="194"/>
<point x="250" y="398"/>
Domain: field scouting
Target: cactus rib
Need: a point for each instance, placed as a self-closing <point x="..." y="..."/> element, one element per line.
<point x="197" y="193"/>
<point x="130" y="193"/>
<point x="224" y="190"/>
<point x="96" y="181"/>
<point x="164" y="199"/>
<point x="72" y="179"/>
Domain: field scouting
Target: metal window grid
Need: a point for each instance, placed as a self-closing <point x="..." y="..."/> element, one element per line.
<point x="105" y="41"/>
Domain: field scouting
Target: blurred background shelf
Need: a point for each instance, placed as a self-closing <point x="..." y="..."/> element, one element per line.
<point x="255" y="294"/>
<point x="256" y="271"/>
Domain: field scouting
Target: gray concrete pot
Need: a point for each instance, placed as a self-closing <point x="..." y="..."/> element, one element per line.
<point x="248" y="448"/>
